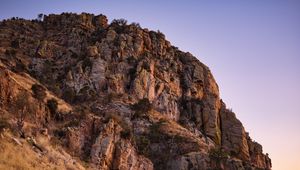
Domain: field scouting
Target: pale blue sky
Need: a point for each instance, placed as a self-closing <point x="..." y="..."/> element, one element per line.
<point x="252" y="48"/>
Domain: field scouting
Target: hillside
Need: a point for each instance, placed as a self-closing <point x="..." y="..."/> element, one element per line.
<point x="79" y="93"/>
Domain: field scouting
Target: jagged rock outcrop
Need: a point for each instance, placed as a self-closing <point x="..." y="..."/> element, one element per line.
<point x="126" y="98"/>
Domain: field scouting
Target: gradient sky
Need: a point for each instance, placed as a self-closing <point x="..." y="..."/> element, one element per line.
<point x="252" y="48"/>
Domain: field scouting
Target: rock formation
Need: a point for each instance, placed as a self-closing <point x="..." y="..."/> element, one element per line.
<point x="118" y="96"/>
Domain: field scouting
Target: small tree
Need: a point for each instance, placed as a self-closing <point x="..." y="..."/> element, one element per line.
<point x="40" y="17"/>
<point x="136" y="24"/>
<point x="23" y="107"/>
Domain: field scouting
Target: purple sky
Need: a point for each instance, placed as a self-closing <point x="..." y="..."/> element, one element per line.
<point x="252" y="48"/>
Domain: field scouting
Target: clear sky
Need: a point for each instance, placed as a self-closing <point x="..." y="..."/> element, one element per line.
<point x="252" y="48"/>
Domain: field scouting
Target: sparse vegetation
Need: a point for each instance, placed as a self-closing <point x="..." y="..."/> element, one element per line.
<point x="40" y="17"/>
<point x="73" y="123"/>
<point x="23" y="107"/>
<point x="120" y="22"/>
<point x="59" y="133"/>
<point x="52" y="105"/>
<point x="160" y="34"/>
<point x="146" y="66"/>
<point x="136" y="24"/>
<point x="20" y="67"/>
<point x="39" y="92"/>
<point x="155" y="134"/>
<point x="142" y="107"/>
<point x="15" y="43"/>
<point x="87" y="63"/>
<point x="110" y="97"/>
<point x="143" y="144"/>
<point x="218" y="154"/>
<point x="69" y="95"/>
<point x="11" y="52"/>
<point x="126" y="134"/>
<point x="4" y="124"/>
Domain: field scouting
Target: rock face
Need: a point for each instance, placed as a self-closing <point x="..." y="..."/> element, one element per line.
<point x="127" y="98"/>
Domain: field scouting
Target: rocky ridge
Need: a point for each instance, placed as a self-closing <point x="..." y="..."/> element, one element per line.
<point x="117" y="96"/>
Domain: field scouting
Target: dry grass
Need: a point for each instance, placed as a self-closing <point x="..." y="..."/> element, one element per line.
<point x="25" y="81"/>
<point x="16" y="157"/>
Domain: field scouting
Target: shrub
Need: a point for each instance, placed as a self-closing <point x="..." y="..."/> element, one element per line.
<point x="69" y="95"/>
<point x="136" y="24"/>
<point x="131" y="60"/>
<point x="87" y="63"/>
<point x="60" y="133"/>
<point x="23" y="108"/>
<point x="52" y="105"/>
<point x="40" y="17"/>
<point x="146" y="66"/>
<point x="39" y="92"/>
<point x="218" y="154"/>
<point x="11" y="52"/>
<point x="132" y="73"/>
<point x="120" y="22"/>
<point x="142" y="107"/>
<point x="126" y="134"/>
<point x="160" y="34"/>
<point x="155" y="134"/>
<point x="73" y="123"/>
<point x="110" y="97"/>
<point x="143" y="144"/>
<point x="15" y="43"/>
<point x="20" y="67"/>
<point x="4" y="124"/>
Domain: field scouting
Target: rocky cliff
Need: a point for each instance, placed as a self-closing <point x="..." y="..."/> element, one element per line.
<point x="114" y="96"/>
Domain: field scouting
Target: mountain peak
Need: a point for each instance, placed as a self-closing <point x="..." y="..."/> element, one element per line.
<point x="115" y="96"/>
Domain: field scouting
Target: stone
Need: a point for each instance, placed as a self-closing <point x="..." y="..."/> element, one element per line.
<point x="92" y="51"/>
<point x="101" y="21"/>
<point x="102" y="70"/>
<point x="234" y="139"/>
